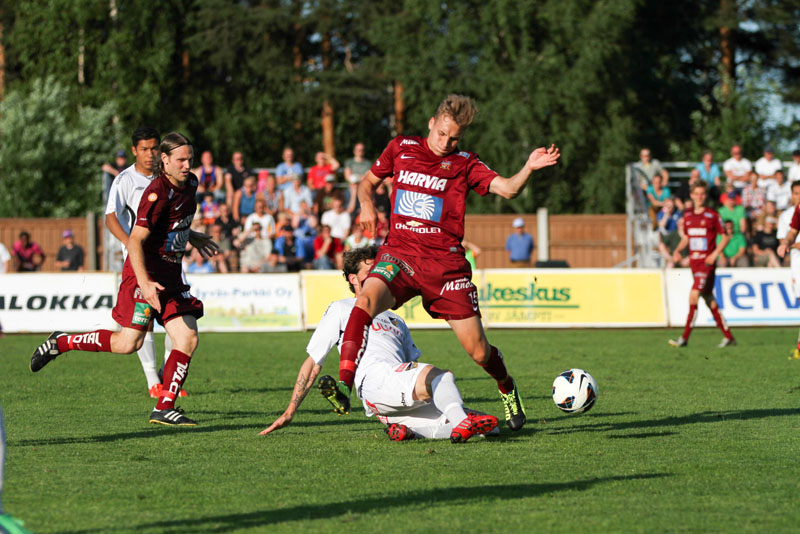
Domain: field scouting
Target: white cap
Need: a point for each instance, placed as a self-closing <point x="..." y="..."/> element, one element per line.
<point x="518" y="223"/>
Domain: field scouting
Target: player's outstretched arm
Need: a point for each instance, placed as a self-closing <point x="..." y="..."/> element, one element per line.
<point x="203" y="243"/>
<point x="538" y="159"/>
<point x="305" y="380"/>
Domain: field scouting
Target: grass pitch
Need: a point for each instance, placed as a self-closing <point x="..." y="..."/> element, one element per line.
<point x="681" y="440"/>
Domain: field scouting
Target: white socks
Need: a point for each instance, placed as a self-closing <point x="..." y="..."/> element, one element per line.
<point x="447" y="398"/>
<point x="147" y="355"/>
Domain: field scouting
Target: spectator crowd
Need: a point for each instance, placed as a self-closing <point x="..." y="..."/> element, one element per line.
<point x="754" y="200"/>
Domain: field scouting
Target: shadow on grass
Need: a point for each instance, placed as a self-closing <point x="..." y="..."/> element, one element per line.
<point x="643" y="435"/>
<point x="691" y="419"/>
<point x="449" y="496"/>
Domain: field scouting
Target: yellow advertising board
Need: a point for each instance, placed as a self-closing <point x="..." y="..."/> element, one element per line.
<point x="517" y="298"/>
<point x="571" y="297"/>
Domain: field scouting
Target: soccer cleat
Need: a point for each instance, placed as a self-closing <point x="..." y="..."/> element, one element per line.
<point x="398" y="432"/>
<point x="171" y="417"/>
<point x="46" y="352"/>
<point x="338" y="394"/>
<point x="10" y="525"/>
<point x="472" y="425"/>
<point x="726" y="342"/>
<point x="680" y="342"/>
<point x="795" y="354"/>
<point x="515" y="410"/>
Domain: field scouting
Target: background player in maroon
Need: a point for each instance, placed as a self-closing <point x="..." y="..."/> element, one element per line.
<point x="422" y="254"/>
<point x="700" y="227"/>
<point x="152" y="287"/>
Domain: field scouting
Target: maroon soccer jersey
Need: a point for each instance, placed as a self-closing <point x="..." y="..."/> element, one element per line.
<point x="702" y="229"/>
<point x="167" y="211"/>
<point x="429" y="195"/>
<point x="796" y="218"/>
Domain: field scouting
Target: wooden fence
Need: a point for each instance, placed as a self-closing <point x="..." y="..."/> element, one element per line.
<point x="581" y="240"/>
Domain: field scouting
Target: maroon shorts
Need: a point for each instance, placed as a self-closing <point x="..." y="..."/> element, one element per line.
<point x="704" y="275"/>
<point x="445" y="284"/>
<point x="133" y="311"/>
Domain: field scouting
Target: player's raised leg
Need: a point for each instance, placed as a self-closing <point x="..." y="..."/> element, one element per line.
<point x="183" y="331"/>
<point x="125" y="341"/>
<point x="472" y="337"/>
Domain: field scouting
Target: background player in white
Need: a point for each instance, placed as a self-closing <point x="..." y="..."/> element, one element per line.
<point x="123" y="202"/>
<point x="784" y="225"/>
<point x="412" y="399"/>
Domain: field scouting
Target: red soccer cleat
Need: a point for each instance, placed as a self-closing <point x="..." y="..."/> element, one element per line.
<point x="155" y="392"/>
<point x="398" y="432"/>
<point x="473" y="424"/>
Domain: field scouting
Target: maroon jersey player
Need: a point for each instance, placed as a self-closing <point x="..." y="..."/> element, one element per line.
<point x="422" y="254"/>
<point x="700" y="227"/>
<point x="152" y="286"/>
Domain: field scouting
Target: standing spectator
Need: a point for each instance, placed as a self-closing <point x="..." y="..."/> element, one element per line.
<point x="244" y="200"/>
<point x="120" y="162"/>
<point x="779" y="191"/>
<point x="287" y="170"/>
<point x="235" y="176"/>
<point x="209" y="208"/>
<point x="70" y="256"/>
<point x="767" y="167"/>
<point x="28" y="255"/>
<point x="272" y="196"/>
<point x="327" y="250"/>
<point x="325" y="165"/>
<point x="710" y="173"/>
<point x="210" y="178"/>
<point x="735" y="252"/>
<point x="338" y="219"/>
<point x="737" y="168"/>
<point x="255" y="249"/>
<point x="356" y="239"/>
<point x="794" y="167"/>
<point x="520" y="244"/>
<point x="753" y="197"/>
<point x="731" y="212"/>
<point x="765" y="245"/>
<point x="5" y="260"/>
<point x="261" y="217"/>
<point x="199" y="265"/>
<point x="295" y="195"/>
<point x="354" y="169"/>
<point x="646" y="168"/>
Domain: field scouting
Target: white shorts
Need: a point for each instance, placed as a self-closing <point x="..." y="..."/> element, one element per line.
<point x="388" y="389"/>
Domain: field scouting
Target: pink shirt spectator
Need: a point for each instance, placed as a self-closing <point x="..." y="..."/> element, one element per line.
<point x="25" y="252"/>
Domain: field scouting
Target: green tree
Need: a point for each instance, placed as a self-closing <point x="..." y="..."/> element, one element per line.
<point x="50" y="157"/>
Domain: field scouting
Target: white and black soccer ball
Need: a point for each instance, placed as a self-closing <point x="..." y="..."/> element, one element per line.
<point x="574" y="391"/>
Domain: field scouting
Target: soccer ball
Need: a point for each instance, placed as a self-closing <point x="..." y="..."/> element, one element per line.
<point x="574" y="391"/>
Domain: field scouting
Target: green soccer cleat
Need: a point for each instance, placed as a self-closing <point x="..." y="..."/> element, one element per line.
<point x="11" y="525"/>
<point x="515" y="410"/>
<point x="680" y="342"/>
<point x="338" y="394"/>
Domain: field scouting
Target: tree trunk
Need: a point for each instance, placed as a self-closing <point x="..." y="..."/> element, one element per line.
<point x="399" y="108"/>
<point x="328" y="141"/>
<point x="727" y="48"/>
<point x="2" y="59"/>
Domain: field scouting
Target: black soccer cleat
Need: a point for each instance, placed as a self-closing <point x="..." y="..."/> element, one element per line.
<point x="46" y="352"/>
<point x="170" y="417"/>
<point x="514" y="409"/>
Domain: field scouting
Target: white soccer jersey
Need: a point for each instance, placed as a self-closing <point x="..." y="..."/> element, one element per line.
<point x="784" y="224"/>
<point x="124" y="196"/>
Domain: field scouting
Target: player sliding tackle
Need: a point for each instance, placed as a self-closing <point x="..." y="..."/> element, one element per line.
<point x="412" y="399"/>
<point x="152" y="286"/>
<point x="422" y="254"/>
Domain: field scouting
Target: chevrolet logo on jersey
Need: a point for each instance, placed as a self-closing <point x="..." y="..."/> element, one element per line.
<point x="418" y="205"/>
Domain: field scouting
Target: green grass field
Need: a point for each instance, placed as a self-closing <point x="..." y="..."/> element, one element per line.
<point x="693" y="440"/>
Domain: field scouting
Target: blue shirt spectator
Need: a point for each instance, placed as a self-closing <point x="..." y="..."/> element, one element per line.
<point x="520" y="243"/>
<point x="287" y="170"/>
<point x="709" y="172"/>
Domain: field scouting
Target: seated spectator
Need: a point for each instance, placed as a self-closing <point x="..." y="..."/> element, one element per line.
<point x="244" y="200"/>
<point x="731" y="212"/>
<point x="226" y="222"/>
<point x="647" y="168"/>
<point x="70" y="256"/>
<point x="28" y="255"/>
<point x="296" y="194"/>
<point x="794" y="167"/>
<point x="656" y="194"/>
<point x="288" y="170"/>
<point x="305" y="233"/>
<point x="255" y="249"/>
<point x="709" y="171"/>
<point x="288" y="250"/>
<point x="766" y="167"/>
<point x="210" y="178"/>
<point x="261" y="217"/>
<point x="222" y="260"/>
<point x="325" y="165"/>
<point x="381" y="198"/>
<point x="765" y="245"/>
<point x="323" y="198"/>
<point x="356" y="239"/>
<point x="272" y="196"/>
<point x="737" y="168"/>
<point x="728" y="187"/>
<point x="198" y="265"/>
<point x="682" y="196"/>
<point x="354" y="170"/>
<point x="780" y="191"/>
<point x="753" y="197"/>
<point x="327" y="250"/>
<point x="235" y="176"/>
<point x="770" y="211"/>
<point x="735" y="252"/>
<point x="299" y="217"/>
<point x="119" y="165"/>
<point x="338" y="219"/>
<point x="668" y="218"/>
<point x="209" y="208"/>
